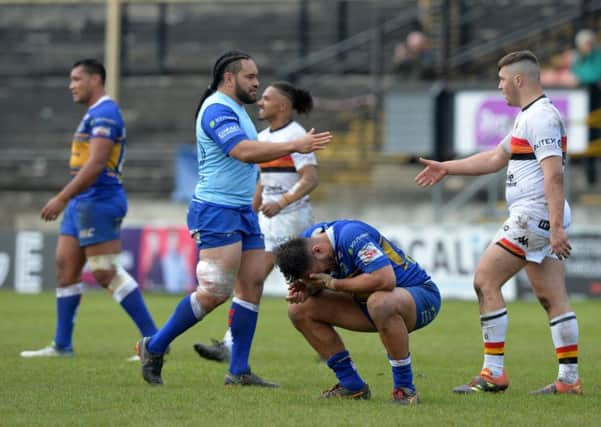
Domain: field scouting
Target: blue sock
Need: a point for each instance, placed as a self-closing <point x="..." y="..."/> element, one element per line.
<point x="67" y="301"/>
<point x="402" y="374"/>
<point x="344" y="368"/>
<point x="180" y="321"/>
<point x="243" y="322"/>
<point x="134" y="305"/>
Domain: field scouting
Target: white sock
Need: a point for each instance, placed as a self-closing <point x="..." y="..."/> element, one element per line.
<point x="228" y="340"/>
<point x="494" y="329"/>
<point x="564" y="331"/>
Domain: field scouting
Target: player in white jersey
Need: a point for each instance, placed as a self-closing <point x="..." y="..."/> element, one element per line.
<point x="282" y="195"/>
<point x="534" y="236"/>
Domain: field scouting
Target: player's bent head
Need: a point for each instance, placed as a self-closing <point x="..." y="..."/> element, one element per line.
<point x="293" y="258"/>
<point x="92" y="67"/>
<point x="522" y="62"/>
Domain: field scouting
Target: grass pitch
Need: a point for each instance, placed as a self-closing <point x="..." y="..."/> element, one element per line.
<point x="99" y="387"/>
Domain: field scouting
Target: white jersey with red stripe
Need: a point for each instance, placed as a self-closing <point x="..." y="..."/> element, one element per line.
<point x="280" y="175"/>
<point x="538" y="132"/>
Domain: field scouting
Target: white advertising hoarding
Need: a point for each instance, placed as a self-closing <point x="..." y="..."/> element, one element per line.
<point x="449" y="254"/>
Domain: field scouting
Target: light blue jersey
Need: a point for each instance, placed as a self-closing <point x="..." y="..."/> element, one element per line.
<point x="221" y="124"/>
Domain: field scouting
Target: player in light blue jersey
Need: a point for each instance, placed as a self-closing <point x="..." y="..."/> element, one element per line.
<point x="221" y="218"/>
<point x="282" y="196"/>
<point x="346" y="274"/>
<point x="94" y="205"/>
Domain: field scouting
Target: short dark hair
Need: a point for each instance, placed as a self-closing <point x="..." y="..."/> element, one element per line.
<point x="92" y="66"/>
<point x="517" y="56"/>
<point x="293" y="258"/>
<point x="301" y="99"/>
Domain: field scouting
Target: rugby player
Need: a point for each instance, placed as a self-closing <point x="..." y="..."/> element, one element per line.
<point x="282" y="196"/>
<point x="346" y="274"/>
<point x="534" y="236"/>
<point x="94" y="204"/>
<point x="221" y="218"/>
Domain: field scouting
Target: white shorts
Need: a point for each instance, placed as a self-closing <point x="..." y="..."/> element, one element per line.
<point x="525" y="237"/>
<point x="285" y="226"/>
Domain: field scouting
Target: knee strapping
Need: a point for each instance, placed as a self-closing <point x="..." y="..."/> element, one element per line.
<point x="103" y="262"/>
<point x="213" y="280"/>
<point x="122" y="284"/>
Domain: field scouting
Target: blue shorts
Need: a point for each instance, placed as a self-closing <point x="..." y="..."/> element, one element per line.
<point x="427" y="303"/>
<point x="212" y="226"/>
<point x="95" y="219"/>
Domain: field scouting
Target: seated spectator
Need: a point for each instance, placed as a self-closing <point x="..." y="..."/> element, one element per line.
<point x="413" y="59"/>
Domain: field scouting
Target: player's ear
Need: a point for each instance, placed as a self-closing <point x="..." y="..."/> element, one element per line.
<point x="318" y="250"/>
<point x="519" y="80"/>
<point x="96" y="79"/>
<point x="228" y="78"/>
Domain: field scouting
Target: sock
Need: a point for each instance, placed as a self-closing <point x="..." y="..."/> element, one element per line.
<point x="134" y="305"/>
<point x="67" y="301"/>
<point x="344" y="368"/>
<point x="187" y="313"/>
<point x="402" y="374"/>
<point x="127" y="293"/>
<point x="243" y="322"/>
<point x="494" y="330"/>
<point x="228" y="341"/>
<point x="564" y="331"/>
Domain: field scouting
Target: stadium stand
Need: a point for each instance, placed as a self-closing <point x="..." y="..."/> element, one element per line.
<point x="340" y="50"/>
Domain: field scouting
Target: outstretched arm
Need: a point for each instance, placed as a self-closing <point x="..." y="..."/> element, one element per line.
<point x="482" y="163"/>
<point x="258" y="151"/>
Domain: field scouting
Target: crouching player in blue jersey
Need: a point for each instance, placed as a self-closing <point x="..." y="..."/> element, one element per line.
<point x="94" y="204"/>
<point x="346" y="274"/>
<point x="221" y="218"/>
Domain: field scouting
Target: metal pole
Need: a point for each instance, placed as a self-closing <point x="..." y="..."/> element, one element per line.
<point x="341" y="28"/>
<point x="303" y="29"/>
<point x="162" y="38"/>
<point x="112" y="47"/>
<point x="446" y="36"/>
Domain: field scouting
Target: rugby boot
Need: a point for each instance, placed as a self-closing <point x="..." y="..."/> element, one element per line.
<point x="247" y="379"/>
<point x="152" y="363"/>
<point x="49" y="351"/>
<point x="339" y="392"/>
<point x="484" y="382"/>
<point x="559" y="387"/>
<point x="405" y="396"/>
<point x="216" y="351"/>
<point x="136" y="358"/>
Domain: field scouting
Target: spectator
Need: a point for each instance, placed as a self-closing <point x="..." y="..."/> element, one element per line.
<point x="413" y="59"/>
<point x="586" y="66"/>
<point x="586" y="61"/>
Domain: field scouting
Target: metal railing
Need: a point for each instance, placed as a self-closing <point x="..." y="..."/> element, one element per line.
<point x="363" y="38"/>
